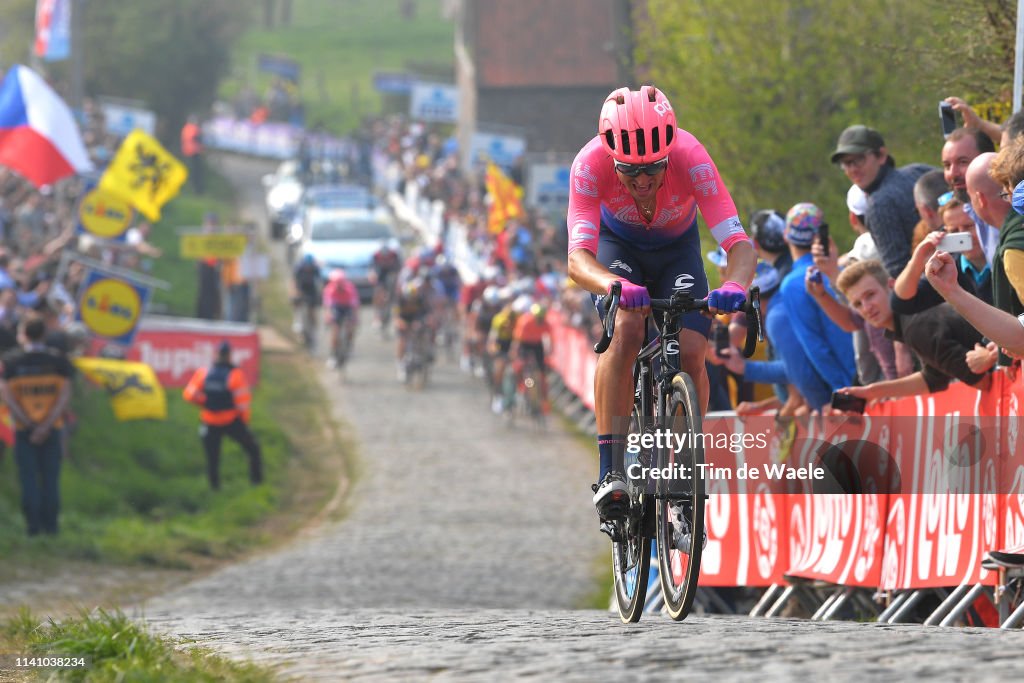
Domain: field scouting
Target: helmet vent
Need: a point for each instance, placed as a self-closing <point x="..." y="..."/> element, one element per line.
<point x="652" y="93"/>
<point x="619" y="99"/>
<point x="625" y="143"/>
<point x="609" y="137"/>
<point x="641" y="143"/>
<point x="669" y="134"/>
<point x="655" y="140"/>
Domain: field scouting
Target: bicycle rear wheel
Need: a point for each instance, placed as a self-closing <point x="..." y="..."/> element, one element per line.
<point x="680" y="571"/>
<point x="631" y="556"/>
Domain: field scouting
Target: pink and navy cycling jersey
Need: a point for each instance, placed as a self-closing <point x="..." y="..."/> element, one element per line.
<point x="341" y="293"/>
<point x="691" y="182"/>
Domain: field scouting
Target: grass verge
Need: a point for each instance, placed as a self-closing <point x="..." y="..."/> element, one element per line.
<point x="116" y="649"/>
<point x="339" y="46"/>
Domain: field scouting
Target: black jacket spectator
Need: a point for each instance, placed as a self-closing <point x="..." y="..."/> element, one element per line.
<point x="892" y="215"/>
<point x="941" y="338"/>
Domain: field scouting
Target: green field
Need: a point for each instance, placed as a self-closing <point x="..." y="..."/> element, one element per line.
<point x="339" y="45"/>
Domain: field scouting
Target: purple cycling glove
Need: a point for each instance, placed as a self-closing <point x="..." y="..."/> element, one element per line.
<point x="728" y="298"/>
<point x="633" y="296"/>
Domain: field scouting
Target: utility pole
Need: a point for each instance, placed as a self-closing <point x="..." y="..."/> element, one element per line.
<point x="78" y="53"/>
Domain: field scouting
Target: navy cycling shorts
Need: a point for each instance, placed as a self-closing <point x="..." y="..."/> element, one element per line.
<point x="677" y="266"/>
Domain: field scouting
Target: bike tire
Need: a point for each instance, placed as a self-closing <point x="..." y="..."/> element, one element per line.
<point x="679" y="572"/>
<point x="631" y="558"/>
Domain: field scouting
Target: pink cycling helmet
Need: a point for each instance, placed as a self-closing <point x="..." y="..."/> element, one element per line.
<point x="637" y="127"/>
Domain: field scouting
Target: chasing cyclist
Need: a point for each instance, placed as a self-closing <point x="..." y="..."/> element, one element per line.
<point x="306" y="285"/>
<point x="635" y="192"/>
<point x="341" y="310"/>
<point x="529" y="335"/>
<point x="386" y="264"/>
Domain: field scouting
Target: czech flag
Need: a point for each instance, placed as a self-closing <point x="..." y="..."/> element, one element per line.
<point x="38" y="135"/>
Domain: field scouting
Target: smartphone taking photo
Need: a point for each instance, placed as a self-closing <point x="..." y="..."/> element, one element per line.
<point x="848" y="402"/>
<point x="823" y="237"/>
<point x="956" y="242"/>
<point x="948" y="118"/>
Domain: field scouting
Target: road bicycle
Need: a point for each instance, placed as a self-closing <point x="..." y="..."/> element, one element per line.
<point x="419" y="354"/>
<point x="665" y="399"/>
<point x="522" y="392"/>
<point x="343" y="339"/>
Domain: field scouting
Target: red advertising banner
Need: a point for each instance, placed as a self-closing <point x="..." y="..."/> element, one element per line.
<point x="1011" y="476"/>
<point x="745" y="517"/>
<point x="176" y="347"/>
<point x="945" y="518"/>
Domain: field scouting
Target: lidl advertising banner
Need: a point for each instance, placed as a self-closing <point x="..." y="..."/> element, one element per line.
<point x="215" y="245"/>
<point x="104" y="215"/>
<point x="111" y="307"/>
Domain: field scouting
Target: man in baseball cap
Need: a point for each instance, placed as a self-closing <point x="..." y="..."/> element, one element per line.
<point x="858" y="139"/>
<point x="890" y="214"/>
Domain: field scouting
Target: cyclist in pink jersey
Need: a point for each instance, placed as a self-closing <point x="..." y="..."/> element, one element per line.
<point x="635" y="192"/>
<point x="341" y="309"/>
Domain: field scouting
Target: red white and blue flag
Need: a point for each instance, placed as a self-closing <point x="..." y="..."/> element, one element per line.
<point x="53" y="29"/>
<point x="38" y="135"/>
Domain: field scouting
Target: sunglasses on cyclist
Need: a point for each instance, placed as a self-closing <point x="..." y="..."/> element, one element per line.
<point x="633" y="170"/>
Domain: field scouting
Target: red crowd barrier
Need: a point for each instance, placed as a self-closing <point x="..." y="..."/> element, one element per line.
<point x="958" y="456"/>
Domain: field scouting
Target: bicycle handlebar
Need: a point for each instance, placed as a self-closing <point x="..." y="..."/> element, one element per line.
<point x="680" y="303"/>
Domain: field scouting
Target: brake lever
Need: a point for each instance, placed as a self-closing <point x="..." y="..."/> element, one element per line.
<point x="611" y="308"/>
<point x="755" y="329"/>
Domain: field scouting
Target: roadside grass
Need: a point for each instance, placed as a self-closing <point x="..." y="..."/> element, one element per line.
<point x="135" y="493"/>
<point x="339" y="45"/>
<point x="117" y="649"/>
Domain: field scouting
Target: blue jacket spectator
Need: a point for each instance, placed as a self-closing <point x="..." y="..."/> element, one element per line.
<point x="828" y="348"/>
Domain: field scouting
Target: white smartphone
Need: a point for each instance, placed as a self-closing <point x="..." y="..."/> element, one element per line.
<point x="956" y="242"/>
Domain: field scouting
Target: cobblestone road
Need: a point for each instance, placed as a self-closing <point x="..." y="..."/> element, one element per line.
<point x="467" y="548"/>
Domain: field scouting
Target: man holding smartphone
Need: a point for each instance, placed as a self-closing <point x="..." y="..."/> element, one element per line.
<point x="958" y="237"/>
<point x="939" y="336"/>
<point x="961" y="148"/>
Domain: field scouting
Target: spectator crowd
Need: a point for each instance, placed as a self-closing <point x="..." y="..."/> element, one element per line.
<point x="872" y="322"/>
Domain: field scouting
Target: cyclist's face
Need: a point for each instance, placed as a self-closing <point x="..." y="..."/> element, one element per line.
<point x="871" y="300"/>
<point x="643" y="187"/>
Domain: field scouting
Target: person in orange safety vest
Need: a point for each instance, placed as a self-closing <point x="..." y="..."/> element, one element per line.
<point x="192" y="149"/>
<point x="223" y="393"/>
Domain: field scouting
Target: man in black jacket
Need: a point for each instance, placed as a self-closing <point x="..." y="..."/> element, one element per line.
<point x="891" y="213"/>
<point x="938" y="335"/>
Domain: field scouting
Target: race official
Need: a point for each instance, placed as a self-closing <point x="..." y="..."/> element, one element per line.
<point x="222" y="392"/>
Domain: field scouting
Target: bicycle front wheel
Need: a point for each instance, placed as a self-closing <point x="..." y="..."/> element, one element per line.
<point x="683" y="495"/>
